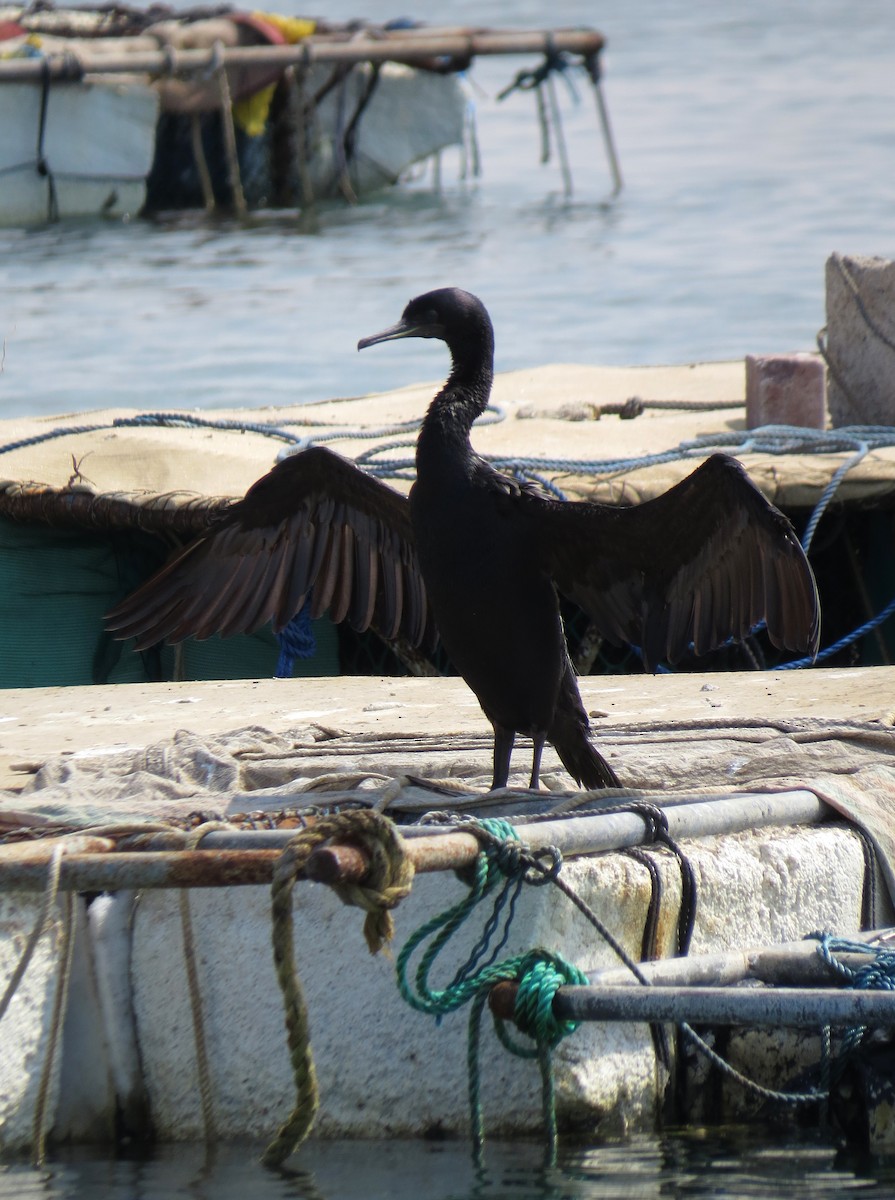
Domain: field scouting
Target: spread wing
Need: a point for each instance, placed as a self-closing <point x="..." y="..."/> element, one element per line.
<point x="707" y="560"/>
<point x="314" y="526"/>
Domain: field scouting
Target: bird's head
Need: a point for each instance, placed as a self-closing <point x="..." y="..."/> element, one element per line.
<point x="450" y="314"/>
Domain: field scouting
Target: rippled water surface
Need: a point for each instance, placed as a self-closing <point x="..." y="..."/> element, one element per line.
<point x="730" y="1164"/>
<point x="754" y="140"/>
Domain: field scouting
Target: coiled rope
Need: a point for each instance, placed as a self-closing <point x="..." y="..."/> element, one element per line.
<point x="538" y="972"/>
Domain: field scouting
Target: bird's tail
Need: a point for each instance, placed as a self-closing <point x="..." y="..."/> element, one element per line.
<point x="569" y="735"/>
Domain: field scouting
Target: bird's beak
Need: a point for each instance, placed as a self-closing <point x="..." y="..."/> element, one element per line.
<point x="402" y="330"/>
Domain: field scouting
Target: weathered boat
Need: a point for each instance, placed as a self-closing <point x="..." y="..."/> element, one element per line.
<point x="117" y="111"/>
<point x="83" y="150"/>
<point x="757" y="810"/>
<point x="140" y="1018"/>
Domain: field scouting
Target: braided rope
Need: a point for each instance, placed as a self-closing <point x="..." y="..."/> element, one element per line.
<point x="527" y="1004"/>
<point x="386" y="883"/>
<point x="49" y="899"/>
<point x="40" y="1123"/>
<point x="877" y="975"/>
<point x="191" y="841"/>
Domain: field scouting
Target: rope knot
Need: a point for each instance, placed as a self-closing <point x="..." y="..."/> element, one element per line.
<point x="537" y="973"/>
<point x="539" y="872"/>
<point x="655" y="819"/>
<point x="540" y="976"/>
<point x="502" y="851"/>
<point x="388" y="879"/>
<point x="507" y="856"/>
<point x="633" y="407"/>
<point x="877" y="974"/>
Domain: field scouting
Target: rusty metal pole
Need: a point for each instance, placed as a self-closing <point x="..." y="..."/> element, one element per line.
<point x="234" y="858"/>
<point x="803" y="1008"/>
<point x="121" y="870"/>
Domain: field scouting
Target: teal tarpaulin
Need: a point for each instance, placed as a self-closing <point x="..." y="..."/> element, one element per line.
<point x="55" y="586"/>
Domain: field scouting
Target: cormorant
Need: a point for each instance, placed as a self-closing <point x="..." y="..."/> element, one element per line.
<point x="481" y="558"/>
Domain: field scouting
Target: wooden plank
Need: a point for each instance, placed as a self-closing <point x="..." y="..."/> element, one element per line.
<point x="413" y="47"/>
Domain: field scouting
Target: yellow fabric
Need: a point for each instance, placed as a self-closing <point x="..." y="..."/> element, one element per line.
<point x="250" y="113"/>
<point x="24" y="48"/>
<point x="293" y="29"/>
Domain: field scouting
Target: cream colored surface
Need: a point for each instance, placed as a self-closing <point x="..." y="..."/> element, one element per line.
<point x="221" y="462"/>
<point x="406" y="1075"/>
<point x="39" y="723"/>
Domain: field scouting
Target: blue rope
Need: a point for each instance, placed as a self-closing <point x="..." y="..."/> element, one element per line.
<point x="849" y="638"/>
<point x="767" y="439"/>
<point x="829" y="492"/>
<point x="296" y="640"/>
<point x="187" y="420"/>
<point x="493" y="415"/>
<point x="877" y="975"/>
<point x="163" y="420"/>
<point x="526" y="475"/>
<point x="37" y="438"/>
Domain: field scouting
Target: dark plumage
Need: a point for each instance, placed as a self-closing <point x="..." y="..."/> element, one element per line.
<point x="480" y="557"/>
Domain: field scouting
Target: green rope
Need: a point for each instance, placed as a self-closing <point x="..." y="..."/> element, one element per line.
<point x="538" y="974"/>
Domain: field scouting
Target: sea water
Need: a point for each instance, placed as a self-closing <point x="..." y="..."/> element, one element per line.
<point x="729" y="1163"/>
<point x="754" y="140"/>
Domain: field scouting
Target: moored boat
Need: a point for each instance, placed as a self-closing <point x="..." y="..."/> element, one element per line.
<point x="239" y="111"/>
<point x="775" y="785"/>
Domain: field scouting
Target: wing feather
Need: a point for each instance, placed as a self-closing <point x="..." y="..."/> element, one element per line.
<point x="344" y="575"/>
<point x="390" y="595"/>
<point x="314" y="525"/>
<point x="295" y="585"/>
<point x="325" y="584"/>
<point x="708" y="560"/>
<point x="366" y="577"/>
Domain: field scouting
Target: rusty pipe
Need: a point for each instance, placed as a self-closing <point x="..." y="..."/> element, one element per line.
<point x="116" y="871"/>
<point x="781" y="1007"/>
<point x="238" y="858"/>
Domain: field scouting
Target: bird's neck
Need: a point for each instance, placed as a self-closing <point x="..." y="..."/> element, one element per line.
<point x="463" y="398"/>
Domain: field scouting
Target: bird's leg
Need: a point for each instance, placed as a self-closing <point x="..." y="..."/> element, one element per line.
<point x="503" y="748"/>
<point x="539" y="739"/>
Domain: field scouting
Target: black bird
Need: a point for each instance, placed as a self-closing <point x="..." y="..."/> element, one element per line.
<point x="481" y="558"/>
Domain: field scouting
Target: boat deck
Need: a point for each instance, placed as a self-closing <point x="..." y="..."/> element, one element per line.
<point x="99" y="755"/>
<point x="39" y="723"/>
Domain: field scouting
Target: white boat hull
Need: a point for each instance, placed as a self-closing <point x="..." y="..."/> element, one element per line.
<point x="97" y="147"/>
